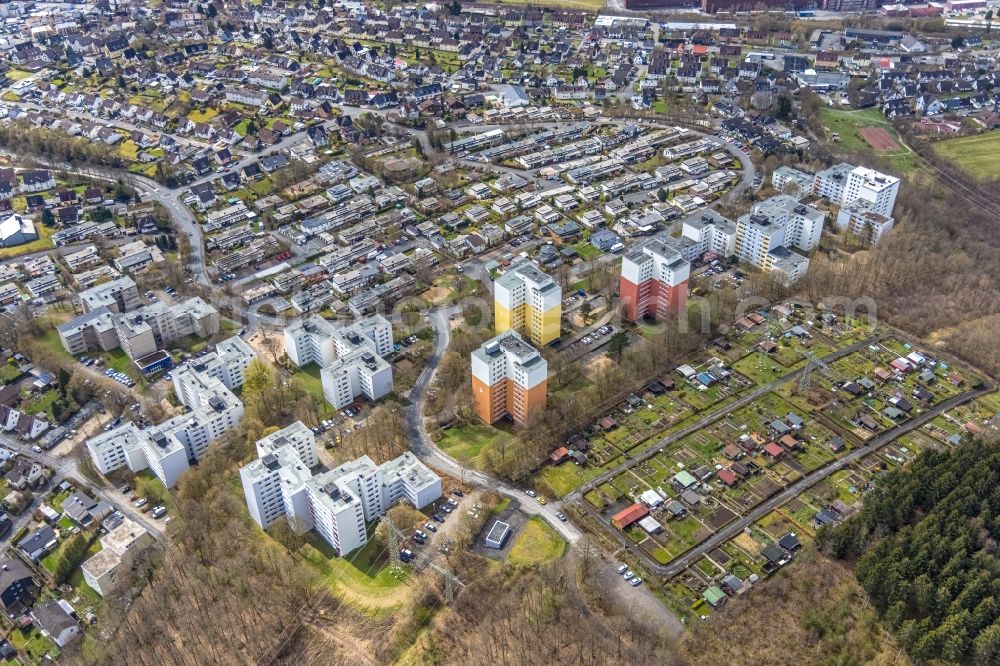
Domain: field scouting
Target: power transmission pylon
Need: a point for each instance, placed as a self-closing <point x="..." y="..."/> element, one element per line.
<point x="396" y="538"/>
<point x="450" y="580"/>
<point x="812" y="362"/>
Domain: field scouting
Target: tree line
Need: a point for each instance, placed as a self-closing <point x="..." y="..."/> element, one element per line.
<point x="925" y="550"/>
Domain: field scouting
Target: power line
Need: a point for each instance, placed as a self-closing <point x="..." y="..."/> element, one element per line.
<point x="812" y="362"/>
<point x="450" y="581"/>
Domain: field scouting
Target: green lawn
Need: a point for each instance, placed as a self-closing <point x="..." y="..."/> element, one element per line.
<point x="148" y="486"/>
<point x="469" y="443"/>
<point x="560" y="480"/>
<point x="536" y="543"/>
<point x="9" y="372"/>
<point x="129" y="150"/>
<point x="846" y="122"/>
<point x="309" y="376"/>
<point x="363" y="576"/>
<point x="199" y="116"/>
<point x="586" y="250"/>
<point x="976" y="155"/>
<point x="43" y="404"/>
<point x="32" y="646"/>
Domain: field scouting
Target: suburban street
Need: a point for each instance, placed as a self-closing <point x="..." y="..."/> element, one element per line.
<point x="67" y="467"/>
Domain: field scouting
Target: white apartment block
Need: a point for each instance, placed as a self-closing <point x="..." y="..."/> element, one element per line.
<point x="310" y="340"/>
<point x="360" y="372"/>
<point x="298" y="436"/>
<point x="139" y="331"/>
<point x="373" y="332"/>
<point x="350" y="357"/>
<point x="845" y="184"/>
<point x="119" y="296"/>
<point x="859" y="219"/>
<point x="831" y="183"/>
<point x="191" y="317"/>
<point x="878" y="189"/>
<point x="135" y="336"/>
<point x="337" y="503"/>
<point x="93" y="330"/>
<point x="168" y="448"/>
<point x="801" y="182"/>
<point x="118" y="550"/>
<point x="227" y="364"/>
<point x="765" y="236"/>
<point x="710" y="232"/>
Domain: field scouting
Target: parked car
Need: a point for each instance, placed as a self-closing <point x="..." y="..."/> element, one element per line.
<point x="431" y="526"/>
<point x="561" y="516"/>
<point x="141" y="502"/>
<point x="438" y="517"/>
<point x="622" y="569"/>
<point x="530" y="493"/>
<point x="635" y="582"/>
<point x="159" y="511"/>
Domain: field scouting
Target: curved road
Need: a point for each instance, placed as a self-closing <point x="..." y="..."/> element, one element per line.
<point x="427" y="451"/>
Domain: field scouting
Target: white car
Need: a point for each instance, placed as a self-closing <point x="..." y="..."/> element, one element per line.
<point x="635" y="582"/>
<point x="622" y="569"/>
<point x="628" y="574"/>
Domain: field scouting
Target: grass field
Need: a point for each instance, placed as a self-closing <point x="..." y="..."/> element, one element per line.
<point x="202" y="115"/>
<point x="846" y="123"/>
<point x="536" y="543"/>
<point x="363" y="577"/>
<point x="975" y="155"/>
<point x="469" y="443"/>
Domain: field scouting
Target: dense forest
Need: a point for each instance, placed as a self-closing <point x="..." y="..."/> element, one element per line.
<point x="926" y="549"/>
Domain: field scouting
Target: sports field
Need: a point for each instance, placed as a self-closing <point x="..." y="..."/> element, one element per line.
<point x="865" y="130"/>
<point x="976" y="155"/>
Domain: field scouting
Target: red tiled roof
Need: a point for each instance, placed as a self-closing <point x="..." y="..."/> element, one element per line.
<point x="727" y="477"/>
<point x="629" y="515"/>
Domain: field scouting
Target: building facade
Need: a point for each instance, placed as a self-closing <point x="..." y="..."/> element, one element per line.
<point x="528" y="301"/>
<point x="654" y="280"/>
<point x="509" y="378"/>
<point x="339" y="503"/>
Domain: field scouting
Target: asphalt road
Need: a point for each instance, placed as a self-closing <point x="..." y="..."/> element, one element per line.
<point x="66" y="467"/>
<point x="430" y="454"/>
